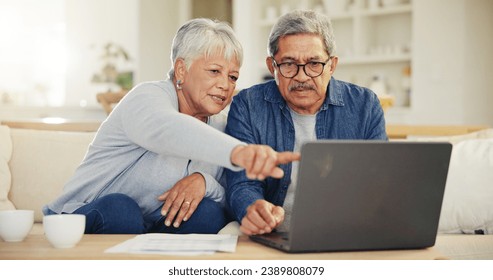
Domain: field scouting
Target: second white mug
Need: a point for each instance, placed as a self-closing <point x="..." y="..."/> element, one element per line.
<point x="64" y="230"/>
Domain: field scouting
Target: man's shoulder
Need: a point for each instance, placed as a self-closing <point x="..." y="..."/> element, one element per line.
<point x="259" y="93"/>
<point x="351" y="87"/>
<point x="350" y="92"/>
<point x="258" y="89"/>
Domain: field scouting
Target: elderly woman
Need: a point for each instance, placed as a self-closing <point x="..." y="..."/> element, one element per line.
<point x="156" y="161"/>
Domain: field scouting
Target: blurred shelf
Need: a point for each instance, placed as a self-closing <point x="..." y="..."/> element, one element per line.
<point x="375" y="59"/>
<point x="57" y="124"/>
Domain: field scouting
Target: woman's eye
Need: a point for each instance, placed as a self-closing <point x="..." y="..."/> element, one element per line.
<point x="214" y="71"/>
<point x="233" y="78"/>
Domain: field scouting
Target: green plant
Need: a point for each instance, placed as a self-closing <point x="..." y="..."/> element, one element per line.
<point x="111" y="56"/>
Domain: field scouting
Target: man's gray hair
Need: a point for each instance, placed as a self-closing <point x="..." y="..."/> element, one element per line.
<point x="302" y="22"/>
<point x="204" y="37"/>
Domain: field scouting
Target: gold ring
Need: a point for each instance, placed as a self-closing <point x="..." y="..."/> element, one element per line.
<point x="187" y="202"/>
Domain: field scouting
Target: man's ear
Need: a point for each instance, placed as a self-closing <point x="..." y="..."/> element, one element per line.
<point x="269" y="62"/>
<point x="180" y="69"/>
<point x="333" y="65"/>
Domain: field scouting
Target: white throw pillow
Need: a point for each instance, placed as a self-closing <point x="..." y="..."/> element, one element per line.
<point x="5" y="176"/>
<point x="468" y="201"/>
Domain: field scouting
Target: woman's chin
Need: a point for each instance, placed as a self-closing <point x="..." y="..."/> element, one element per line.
<point x="213" y="110"/>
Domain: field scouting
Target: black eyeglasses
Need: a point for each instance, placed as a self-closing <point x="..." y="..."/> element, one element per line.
<point x="312" y="69"/>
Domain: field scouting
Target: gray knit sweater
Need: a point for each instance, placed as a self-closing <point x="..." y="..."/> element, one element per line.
<point x="144" y="147"/>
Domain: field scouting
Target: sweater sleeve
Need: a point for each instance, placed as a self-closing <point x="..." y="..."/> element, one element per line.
<point x="150" y="118"/>
<point x="213" y="189"/>
<point x="212" y="175"/>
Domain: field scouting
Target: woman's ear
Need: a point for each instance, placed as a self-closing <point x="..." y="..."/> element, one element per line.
<point x="180" y="70"/>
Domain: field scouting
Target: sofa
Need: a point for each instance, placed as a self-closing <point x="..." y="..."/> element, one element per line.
<point x="35" y="164"/>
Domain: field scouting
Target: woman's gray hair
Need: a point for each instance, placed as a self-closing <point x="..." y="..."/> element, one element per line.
<point x="300" y="22"/>
<point x="202" y="36"/>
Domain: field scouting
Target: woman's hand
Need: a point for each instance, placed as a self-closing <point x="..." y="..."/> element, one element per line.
<point x="182" y="199"/>
<point x="261" y="161"/>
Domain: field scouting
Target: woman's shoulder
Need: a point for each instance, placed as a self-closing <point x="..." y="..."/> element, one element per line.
<point x="152" y="90"/>
<point x="154" y="86"/>
<point x="154" y="94"/>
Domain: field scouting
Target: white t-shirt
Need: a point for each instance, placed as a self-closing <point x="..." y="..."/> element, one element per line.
<point x="304" y="127"/>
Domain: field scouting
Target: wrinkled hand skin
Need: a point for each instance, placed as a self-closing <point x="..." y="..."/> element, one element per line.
<point x="182" y="199"/>
<point x="261" y="161"/>
<point x="262" y="217"/>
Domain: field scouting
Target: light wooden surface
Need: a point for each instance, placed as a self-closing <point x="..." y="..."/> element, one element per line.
<point x="466" y="246"/>
<point x="397" y="131"/>
<point x="35" y="247"/>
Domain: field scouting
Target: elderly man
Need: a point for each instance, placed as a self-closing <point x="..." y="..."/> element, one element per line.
<point x="304" y="102"/>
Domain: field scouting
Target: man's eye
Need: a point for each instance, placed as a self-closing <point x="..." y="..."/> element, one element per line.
<point x="289" y="64"/>
<point x="313" y="63"/>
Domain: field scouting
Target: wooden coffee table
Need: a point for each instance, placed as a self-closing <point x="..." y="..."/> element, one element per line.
<point x="92" y="247"/>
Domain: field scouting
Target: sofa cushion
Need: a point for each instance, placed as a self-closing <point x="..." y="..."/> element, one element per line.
<point x="468" y="200"/>
<point x="467" y="206"/>
<point x="5" y="177"/>
<point x="42" y="162"/>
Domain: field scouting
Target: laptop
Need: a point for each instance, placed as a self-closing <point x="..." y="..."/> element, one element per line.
<point x="365" y="195"/>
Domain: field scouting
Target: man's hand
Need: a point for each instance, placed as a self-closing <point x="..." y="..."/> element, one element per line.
<point x="182" y="199"/>
<point x="262" y="217"/>
<point x="261" y="161"/>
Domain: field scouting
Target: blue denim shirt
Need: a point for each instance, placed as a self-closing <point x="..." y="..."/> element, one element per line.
<point x="260" y="115"/>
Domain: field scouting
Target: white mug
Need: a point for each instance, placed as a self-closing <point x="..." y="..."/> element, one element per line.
<point x="15" y="225"/>
<point x="64" y="230"/>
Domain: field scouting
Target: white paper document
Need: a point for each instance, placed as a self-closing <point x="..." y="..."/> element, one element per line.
<point x="177" y="244"/>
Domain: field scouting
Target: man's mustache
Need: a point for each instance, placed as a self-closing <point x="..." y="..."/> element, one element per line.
<point x="301" y="86"/>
